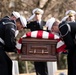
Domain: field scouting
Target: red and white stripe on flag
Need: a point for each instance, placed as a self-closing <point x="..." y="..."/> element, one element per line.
<point x="42" y="35"/>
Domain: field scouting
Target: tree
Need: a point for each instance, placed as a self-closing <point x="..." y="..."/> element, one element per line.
<point x="56" y="8"/>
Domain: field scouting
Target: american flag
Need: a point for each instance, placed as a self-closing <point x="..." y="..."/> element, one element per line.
<point x="42" y="35"/>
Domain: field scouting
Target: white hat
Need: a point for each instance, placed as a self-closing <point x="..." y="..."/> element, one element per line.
<point x="16" y="14"/>
<point x="23" y="21"/>
<point x="69" y="12"/>
<point x="37" y="10"/>
<point x="50" y="23"/>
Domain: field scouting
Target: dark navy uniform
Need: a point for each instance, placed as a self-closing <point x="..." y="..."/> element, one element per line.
<point x="7" y="43"/>
<point x="34" y="25"/>
<point x="68" y="33"/>
<point x="40" y="67"/>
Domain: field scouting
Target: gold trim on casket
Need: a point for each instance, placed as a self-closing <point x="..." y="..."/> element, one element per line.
<point x="34" y="49"/>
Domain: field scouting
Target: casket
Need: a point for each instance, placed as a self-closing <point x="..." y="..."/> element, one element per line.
<point x="34" y="49"/>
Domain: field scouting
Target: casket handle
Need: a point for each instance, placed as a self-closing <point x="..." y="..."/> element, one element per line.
<point x="34" y="50"/>
<point x="43" y="51"/>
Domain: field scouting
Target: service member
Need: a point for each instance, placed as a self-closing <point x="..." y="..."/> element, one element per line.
<point x="38" y="24"/>
<point x="8" y="25"/>
<point x="68" y="32"/>
<point x="70" y="15"/>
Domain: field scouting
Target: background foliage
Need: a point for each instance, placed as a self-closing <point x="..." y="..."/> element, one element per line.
<point x="56" y="8"/>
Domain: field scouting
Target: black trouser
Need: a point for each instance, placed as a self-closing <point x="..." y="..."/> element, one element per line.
<point x="70" y="43"/>
<point x="5" y="63"/>
<point x="41" y="68"/>
<point x="71" y="54"/>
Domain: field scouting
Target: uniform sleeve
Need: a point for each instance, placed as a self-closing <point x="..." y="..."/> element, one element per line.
<point x="9" y="40"/>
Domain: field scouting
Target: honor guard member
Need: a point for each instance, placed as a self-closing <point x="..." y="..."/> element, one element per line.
<point x="8" y="26"/>
<point x="52" y="26"/>
<point x="68" y="32"/>
<point x="38" y="24"/>
<point x="69" y="16"/>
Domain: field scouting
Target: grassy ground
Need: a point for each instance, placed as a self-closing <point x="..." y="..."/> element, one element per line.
<point x="57" y="73"/>
<point x="61" y="71"/>
<point x="28" y="74"/>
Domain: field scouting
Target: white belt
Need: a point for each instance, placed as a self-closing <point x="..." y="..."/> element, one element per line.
<point x="2" y="41"/>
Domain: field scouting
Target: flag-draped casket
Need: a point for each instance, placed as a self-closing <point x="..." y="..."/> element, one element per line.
<point x="40" y="46"/>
